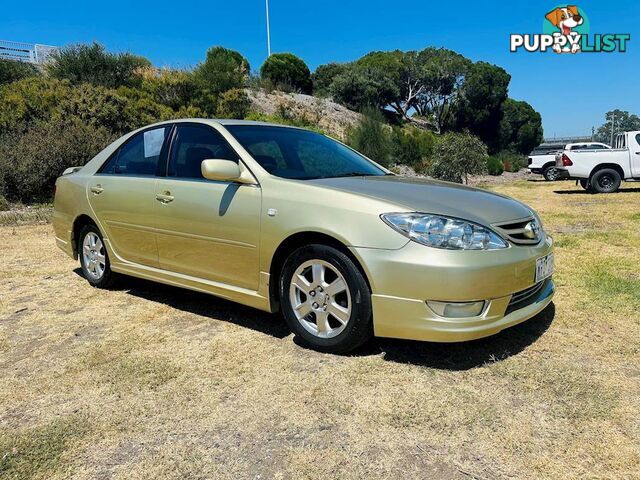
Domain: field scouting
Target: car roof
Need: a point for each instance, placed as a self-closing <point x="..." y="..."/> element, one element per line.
<point x="224" y="122"/>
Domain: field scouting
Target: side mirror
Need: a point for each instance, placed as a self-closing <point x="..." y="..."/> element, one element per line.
<point x="225" y="171"/>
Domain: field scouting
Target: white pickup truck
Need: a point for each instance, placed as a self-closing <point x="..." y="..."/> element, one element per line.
<point x="603" y="170"/>
<point x="543" y="159"/>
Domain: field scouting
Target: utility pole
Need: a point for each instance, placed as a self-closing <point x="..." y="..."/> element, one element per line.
<point x="613" y="122"/>
<point x="268" y="31"/>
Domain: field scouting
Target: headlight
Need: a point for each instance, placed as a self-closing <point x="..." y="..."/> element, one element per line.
<point x="444" y="232"/>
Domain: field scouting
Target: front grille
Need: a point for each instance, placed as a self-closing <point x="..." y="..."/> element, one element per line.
<point x="518" y="232"/>
<point x="525" y="297"/>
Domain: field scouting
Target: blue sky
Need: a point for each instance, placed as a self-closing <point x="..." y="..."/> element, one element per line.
<point x="572" y="92"/>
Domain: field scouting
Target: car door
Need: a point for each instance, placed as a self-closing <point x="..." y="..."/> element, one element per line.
<point x="634" y="154"/>
<point x="122" y="196"/>
<point x="206" y="229"/>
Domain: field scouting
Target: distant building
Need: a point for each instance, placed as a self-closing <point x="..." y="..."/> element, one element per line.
<point x="26" y="52"/>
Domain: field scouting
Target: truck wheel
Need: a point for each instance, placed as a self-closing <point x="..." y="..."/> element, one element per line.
<point x="550" y="173"/>
<point x="606" y="180"/>
<point x="584" y="183"/>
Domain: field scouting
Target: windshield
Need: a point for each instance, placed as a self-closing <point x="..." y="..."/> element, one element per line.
<point x="300" y="154"/>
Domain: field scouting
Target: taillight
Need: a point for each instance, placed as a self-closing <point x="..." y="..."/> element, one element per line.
<point x="566" y="161"/>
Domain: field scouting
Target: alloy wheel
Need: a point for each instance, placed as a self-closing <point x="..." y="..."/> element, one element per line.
<point x="93" y="255"/>
<point x="320" y="298"/>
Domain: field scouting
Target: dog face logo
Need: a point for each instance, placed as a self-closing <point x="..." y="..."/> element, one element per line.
<point x="565" y="19"/>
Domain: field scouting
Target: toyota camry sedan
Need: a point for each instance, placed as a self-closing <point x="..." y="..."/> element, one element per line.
<point x="285" y="219"/>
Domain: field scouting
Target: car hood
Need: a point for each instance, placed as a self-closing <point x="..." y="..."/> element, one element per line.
<point x="433" y="196"/>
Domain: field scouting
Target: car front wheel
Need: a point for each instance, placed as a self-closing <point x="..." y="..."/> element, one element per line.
<point x="325" y="299"/>
<point x="94" y="258"/>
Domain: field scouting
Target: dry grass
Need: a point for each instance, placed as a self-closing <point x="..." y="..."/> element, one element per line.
<point x="148" y="381"/>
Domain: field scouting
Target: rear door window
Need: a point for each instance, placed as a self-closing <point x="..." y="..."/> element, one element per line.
<point x="140" y="155"/>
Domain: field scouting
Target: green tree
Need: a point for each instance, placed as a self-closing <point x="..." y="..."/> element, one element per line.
<point x="359" y="88"/>
<point x="324" y="75"/>
<point x="10" y="71"/>
<point x="443" y="75"/>
<point x="622" y="121"/>
<point x="479" y="108"/>
<point x="287" y="72"/>
<point x="371" y="137"/>
<point x="93" y="64"/>
<point x="222" y="70"/>
<point x="520" y="127"/>
<point x="458" y="155"/>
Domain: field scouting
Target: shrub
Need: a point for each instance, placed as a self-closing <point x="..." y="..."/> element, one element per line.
<point x="512" y="162"/>
<point x="93" y="64"/>
<point x="411" y="145"/>
<point x="37" y="157"/>
<point x="233" y="104"/>
<point x="222" y="70"/>
<point x="173" y="88"/>
<point x="371" y="137"/>
<point x="4" y="204"/>
<point x="294" y="122"/>
<point x="287" y="72"/>
<point x="458" y="155"/>
<point x="29" y="100"/>
<point x="140" y="109"/>
<point x="10" y="71"/>
<point x="494" y="166"/>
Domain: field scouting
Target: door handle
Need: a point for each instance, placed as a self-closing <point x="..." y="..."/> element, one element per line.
<point x="97" y="189"/>
<point x="165" y="197"/>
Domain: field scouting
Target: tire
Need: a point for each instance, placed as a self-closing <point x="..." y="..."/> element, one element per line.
<point x="313" y="321"/>
<point x="606" y="180"/>
<point x="550" y="173"/>
<point x="94" y="259"/>
<point x="584" y="183"/>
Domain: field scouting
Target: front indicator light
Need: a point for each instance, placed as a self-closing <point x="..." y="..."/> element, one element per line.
<point x="444" y="232"/>
<point x="456" y="309"/>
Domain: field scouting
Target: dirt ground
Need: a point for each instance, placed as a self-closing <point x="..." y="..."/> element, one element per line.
<point x="148" y="381"/>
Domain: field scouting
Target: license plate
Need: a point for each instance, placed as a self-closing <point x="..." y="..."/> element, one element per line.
<point x="544" y="267"/>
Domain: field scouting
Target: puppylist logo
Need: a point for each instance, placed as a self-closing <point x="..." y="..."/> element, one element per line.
<point x="565" y="29"/>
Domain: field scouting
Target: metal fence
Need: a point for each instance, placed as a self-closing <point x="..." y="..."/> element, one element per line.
<point x="26" y="52"/>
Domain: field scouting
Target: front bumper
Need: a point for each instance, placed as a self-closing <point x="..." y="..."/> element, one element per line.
<point x="402" y="280"/>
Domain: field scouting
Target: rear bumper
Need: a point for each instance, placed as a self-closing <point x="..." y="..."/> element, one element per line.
<point x="563" y="173"/>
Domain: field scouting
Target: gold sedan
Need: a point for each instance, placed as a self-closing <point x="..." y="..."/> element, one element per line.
<point x="284" y="219"/>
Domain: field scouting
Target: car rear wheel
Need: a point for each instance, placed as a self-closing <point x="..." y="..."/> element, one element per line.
<point x="606" y="180"/>
<point x="551" y="174"/>
<point x="325" y="299"/>
<point x="94" y="258"/>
